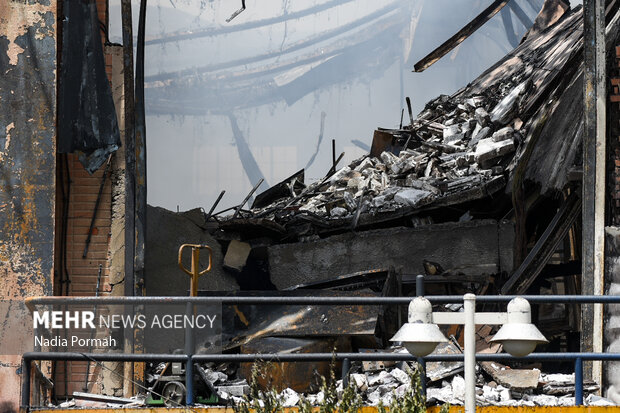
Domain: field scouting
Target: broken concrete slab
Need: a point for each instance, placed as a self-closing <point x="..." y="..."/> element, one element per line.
<point x="383" y="377"/>
<point x="237" y="255"/>
<point x="514" y="379"/>
<point x="237" y="390"/>
<point x="488" y="149"/>
<point x="289" y="397"/>
<point x="401" y="376"/>
<point x="439" y="370"/>
<point x="413" y="197"/>
<point x="503" y="134"/>
<point x="474" y="247"/>
<point x="359" y="380"/>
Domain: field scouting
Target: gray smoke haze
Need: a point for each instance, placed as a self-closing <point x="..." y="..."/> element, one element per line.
<point x="260" y="92"/>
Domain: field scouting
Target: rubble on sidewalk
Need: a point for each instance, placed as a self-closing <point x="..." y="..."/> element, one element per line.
<point x="381" y="387"/>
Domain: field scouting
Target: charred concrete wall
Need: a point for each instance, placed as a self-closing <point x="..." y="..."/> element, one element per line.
<point x="167" y="231"/>
<point x="474" y="247"/>
<point x="27" y="161"/>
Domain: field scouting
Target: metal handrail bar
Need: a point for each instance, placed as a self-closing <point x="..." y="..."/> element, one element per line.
<point x="32" y="302"/>
<point x="572" y="299"/>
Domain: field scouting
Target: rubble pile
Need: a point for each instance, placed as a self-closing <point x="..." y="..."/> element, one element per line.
<point x="454" y="145"/>
<point x="376" y="383"/>
<point x="381" y="382"/>
<point x="381" y="387"/>
<point x="460" y="148"/>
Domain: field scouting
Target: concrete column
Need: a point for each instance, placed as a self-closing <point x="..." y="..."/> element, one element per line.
<point x="593" y="179"/>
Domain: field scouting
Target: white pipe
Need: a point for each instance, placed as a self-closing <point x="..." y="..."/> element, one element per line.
<point x="470" y="352"/>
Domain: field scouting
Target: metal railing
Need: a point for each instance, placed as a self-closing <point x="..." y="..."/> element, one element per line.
<point x="190" y="359"/>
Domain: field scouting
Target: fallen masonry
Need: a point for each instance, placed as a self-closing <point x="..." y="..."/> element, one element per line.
<point x="376" y="387"/>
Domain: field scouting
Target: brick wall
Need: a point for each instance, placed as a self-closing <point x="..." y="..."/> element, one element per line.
<point x="83" y="272"/>
<point x="84" y="191"/>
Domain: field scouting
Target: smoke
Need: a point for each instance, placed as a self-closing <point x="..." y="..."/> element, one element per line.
<point x="277" y="67"/>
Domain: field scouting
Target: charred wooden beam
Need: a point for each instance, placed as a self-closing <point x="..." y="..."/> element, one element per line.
<point x="130" y="176"/>
<point x="247" y="198"/>
<point x="130" y="154"/>
<point x="140" y="156"/>
<point x="538" y="257"/>
<point x="217" y="201"/>
<point x="460" y="36"/>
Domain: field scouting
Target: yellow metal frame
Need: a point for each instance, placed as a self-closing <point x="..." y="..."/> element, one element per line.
<point x="195" y="272"/>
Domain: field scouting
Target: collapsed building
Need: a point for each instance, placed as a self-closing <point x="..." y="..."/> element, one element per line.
<point x="481" y="192"/>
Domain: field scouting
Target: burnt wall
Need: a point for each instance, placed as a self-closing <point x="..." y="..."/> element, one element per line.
<point x="474" y="247"/>
<point x="27" y="161"/>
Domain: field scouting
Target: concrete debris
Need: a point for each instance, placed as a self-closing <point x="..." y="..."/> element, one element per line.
<point x="437" y="371"/>
<point x="78" y="396"/>
<point x="339" y="212"/>
<point x="360" y="381"/>
<point x="91" y="400"/>
<point x="401" y="376"/>
<point x="458" y="387"/>
<point x="289" y="397"/>
<point x="380" y="382"/>
<point x="382" y="378"/>
<point x="488" y="149"/>
<point x="442" y="394"/>
<point x="236" y="390"/>
<point x="516" y="379"/>
<point x="412" y="197"/>
<point x="594" y="400"/>
<point x="237" y="255"/>
<point x="416" y="166"/>
<point x="216" y="377"/>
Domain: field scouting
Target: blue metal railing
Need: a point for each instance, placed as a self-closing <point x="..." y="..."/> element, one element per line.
<point x="190" y="359"/>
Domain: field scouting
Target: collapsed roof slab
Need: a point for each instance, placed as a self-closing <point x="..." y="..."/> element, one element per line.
<point x="474" y="247"/>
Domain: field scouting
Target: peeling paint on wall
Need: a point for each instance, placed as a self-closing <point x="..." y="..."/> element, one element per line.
<point x="27" y="159"/>
<point x="17" y="18"/>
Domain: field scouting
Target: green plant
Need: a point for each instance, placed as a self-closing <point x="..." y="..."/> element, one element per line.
<point x="414" y="399"/>
<point x="351" y="400"/>
<point x="259" y="401"/>
<point x="304" y="405"/>
<point x="329" y="403"/>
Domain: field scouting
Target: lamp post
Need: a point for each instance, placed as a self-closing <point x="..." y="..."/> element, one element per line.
<point x="421" y="334"/>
